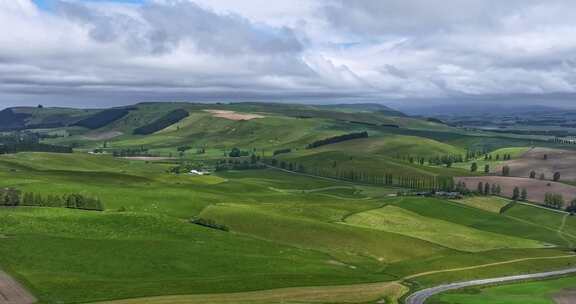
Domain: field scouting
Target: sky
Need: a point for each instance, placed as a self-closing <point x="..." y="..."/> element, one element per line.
<point x="398" y="52"/>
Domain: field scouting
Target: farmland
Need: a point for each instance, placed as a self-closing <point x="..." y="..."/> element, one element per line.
<point x="536" y="188"/>
<point x="264" y="226"/>
<point x="545" y="162"/>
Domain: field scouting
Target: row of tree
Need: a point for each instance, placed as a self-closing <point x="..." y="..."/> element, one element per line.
<point x="142" y="152"/>
<point x="567" y="140"/>
<point x="423" y="182"/>
<point x="488" y="189"/>
<point x="555" y="177"/>
<point x="554" y="200"/>
<point x="12" y="198"/>
<point x="248" y="163"/>
<point x="30" y="147"/>
<point x="474" y="168"/>
<point x="26" y="141"/>
<point x="449" y="159"/>
<point x="337" y="139"/>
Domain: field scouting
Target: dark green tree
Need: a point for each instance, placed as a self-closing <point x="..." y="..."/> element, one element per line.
<point x="516" y="193"/>
<point x="506" y="171"/>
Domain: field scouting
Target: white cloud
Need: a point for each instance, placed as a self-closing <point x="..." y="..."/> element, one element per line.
<point x="313" y="50"/>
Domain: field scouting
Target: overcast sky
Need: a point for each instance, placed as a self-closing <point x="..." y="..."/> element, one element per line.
<point x="103" y="53"/>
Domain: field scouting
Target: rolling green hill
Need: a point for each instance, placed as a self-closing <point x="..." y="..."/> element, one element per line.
<point x="285" y="230"/>
<point x="168" y="233"/>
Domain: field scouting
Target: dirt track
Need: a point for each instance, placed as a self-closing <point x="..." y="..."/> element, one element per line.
<point x="563" y="161"/>
<point x="536" y="189"/>
<point x="11" y="292"/>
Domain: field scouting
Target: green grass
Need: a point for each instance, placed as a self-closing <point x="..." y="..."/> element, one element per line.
<point x="314" y="227"/>
<point x="480" y="219"/>
<point x="447" y="234"/>
<point x="287" y="230"/>
<point x="73" y="256"/>
<point x="488" y="203"/>
<point x="539" y="292"/>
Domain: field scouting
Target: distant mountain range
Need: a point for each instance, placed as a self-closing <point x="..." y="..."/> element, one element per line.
<point x="480" y="109"/>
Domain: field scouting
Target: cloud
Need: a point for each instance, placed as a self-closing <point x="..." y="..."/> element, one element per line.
<point x="456" y="48"/>
<point x="295" y="50"/>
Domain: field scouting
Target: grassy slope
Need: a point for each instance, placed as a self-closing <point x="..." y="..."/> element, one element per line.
<point x="397" y="220"/>
<point x="480" y="219"/>
<point x="350" y="244"/>
<point x="488" y="203"/>
<point x="69" y="256"/>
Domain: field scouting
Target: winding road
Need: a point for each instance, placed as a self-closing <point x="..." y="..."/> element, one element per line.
<point x="421" y="296"/>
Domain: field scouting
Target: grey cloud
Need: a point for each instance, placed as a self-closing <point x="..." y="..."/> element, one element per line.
<point x="400" y="17"/>
<point x="160" y="27"/>
<point x="365" y="50"/>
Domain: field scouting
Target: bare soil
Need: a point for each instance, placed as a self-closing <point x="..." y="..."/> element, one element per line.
<point x="563" y="161"/>
<point x="536" y="189"/>
<point x="11" y="292"/>
<point x="231" y="115"/>
<point x="566" y="297"/>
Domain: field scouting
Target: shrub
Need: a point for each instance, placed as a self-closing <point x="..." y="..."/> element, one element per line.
<point x="282" y="151"/>
<point x="209" y="224"/>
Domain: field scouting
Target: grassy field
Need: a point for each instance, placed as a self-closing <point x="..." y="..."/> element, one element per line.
<point x="488" y="203"/>
<point x="72" y="256"/>
<point x="539" y="292"/>
<point x="286" y="231"/>
<point x="397" y="220"/>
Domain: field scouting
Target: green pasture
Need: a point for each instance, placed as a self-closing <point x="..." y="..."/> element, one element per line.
<point x="286" y="230"/>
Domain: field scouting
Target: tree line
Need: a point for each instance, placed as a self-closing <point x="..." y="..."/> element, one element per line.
<point x="13" y="198"/>
<point x="449" y="159"/>
<point x="246" y="163"/>
<point x="142" y="152"/>
<point x="162" y="122"/>
<point x="28" y="142"/>
<point x="421" y="182"/>
<point x="337" y="139"/>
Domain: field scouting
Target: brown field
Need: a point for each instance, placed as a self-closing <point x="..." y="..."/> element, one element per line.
<point x="11" y="292"/>
<point x="231" y="115"/>
<point x="566" y="297"/>
<point x="563" y="161"/>
<point x="536" y="188"/>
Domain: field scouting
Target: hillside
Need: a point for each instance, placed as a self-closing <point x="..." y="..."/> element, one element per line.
<point x="312" y="204"/>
